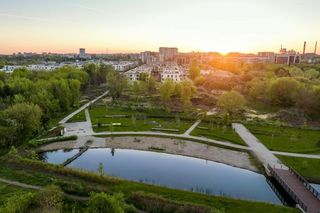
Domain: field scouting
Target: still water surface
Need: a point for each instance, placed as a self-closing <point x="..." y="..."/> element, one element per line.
<point x="173" y="171"/>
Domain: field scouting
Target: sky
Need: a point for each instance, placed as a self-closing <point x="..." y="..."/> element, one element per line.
<point x="113" y="26"/>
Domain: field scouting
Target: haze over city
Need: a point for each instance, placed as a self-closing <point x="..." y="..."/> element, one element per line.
<point x="134" y="26"/>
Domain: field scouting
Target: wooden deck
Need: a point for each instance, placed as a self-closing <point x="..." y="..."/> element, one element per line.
<point x="298" y="188"/>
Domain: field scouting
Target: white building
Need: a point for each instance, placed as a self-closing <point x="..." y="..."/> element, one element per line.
<point x="134" y="74"/>
<point x="171" y="72"/>
<point x="10" y="68"/>
<point x="121" y="65"/>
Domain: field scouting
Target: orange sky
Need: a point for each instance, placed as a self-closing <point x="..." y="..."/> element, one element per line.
<point x="134" y="26"/>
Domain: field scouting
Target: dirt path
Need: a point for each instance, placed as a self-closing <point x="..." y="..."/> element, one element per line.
<point x="33" y="187"/>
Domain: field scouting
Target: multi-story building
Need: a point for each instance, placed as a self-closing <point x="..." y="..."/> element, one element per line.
<point x="167" y="54"/>
<point x="149" y="57"/>
<point x="287" y="57"/>
<point x="171" y="72"/>
<point x="134" y="74"/>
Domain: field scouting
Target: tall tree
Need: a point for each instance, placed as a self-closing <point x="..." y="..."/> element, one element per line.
<point x="231" y="102"/>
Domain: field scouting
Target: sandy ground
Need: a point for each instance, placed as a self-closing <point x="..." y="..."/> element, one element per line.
<point x="167" y="145"/>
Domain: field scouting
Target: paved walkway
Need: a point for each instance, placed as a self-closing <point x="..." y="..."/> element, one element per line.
<point x="265" y="156"/>
<point x="64" y="120"/>
<point x="192" y="128"/>
<point x="312" y="156"/>
<point x="79" y="128"/>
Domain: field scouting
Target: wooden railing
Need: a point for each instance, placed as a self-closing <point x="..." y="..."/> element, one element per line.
<point x="288" y="189"/>
<point x="305" y="183"/>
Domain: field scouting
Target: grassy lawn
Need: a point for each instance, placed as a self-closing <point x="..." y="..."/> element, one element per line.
<point x="136" y="121"/>
<point x="309" y="168"/>
<point x="287" y="139"/>
<point x="81" y="183"/>
<point x="78" y="117"/>
<point x="216" y="132"/>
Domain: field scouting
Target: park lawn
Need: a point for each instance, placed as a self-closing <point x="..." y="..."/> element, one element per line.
<point x="79" y="182"/>
<point x="136" y="121"/>
<point x="287" y="139"/>
<point x="309" y="168"/>
<point x="80" y="117"/>
<point x="217" y="133"/>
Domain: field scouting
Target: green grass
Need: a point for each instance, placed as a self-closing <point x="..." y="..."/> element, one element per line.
<point x="78" y="117"/>
<point x="9" y="190"/>
<point x="136" y="121"/>
<point x="43" y="174"/>
<point x="217" y="132"/>
<point x="287" y="139"/>
<point x="309" y="168"/>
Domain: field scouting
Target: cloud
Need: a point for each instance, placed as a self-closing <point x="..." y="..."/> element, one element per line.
<point x="34" y="18"/>
<point x="93" y="9"/>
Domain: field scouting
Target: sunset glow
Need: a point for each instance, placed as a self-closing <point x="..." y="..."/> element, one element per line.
<point x="134" y="26"/>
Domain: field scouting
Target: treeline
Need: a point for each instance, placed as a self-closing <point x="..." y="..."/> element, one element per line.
<point x="296" y="87"/>
<point x="29" y="99"/>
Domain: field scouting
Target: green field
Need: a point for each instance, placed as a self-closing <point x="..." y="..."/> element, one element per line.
<point x="287" y="139"/>
<point x="78" y="117"/>
<point x="82" y="183"/>
<point x="309" y="168"/>
<point x="217" y="132"/>
<point x="136" y="121"/>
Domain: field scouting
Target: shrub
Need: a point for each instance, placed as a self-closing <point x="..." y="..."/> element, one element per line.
<point x="50" y="199"/>
<point x="156" y="204"/>
<point x="102" y="202"/>
<point x="18" y="203"/>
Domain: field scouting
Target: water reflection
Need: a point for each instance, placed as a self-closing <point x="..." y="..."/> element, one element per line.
<point x="178" y="172"/>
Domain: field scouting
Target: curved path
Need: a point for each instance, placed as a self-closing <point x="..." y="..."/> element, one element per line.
<point x="33" y="187"/>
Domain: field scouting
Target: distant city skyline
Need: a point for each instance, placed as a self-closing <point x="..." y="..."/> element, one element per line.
<point x="126" y="26"/>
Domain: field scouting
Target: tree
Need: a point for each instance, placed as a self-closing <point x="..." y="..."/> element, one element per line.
<point x="306" y="100"/>
<point x="231" y="102"/>
<point x="117" y="83"/>
<point x="283" y="91"/>
<point x="257" y="89"/>
<point x="24" y="119"/>
<point x="102" y="202"/>
<point x="194" y="70"/>
<point x="166" y="90"/>
<point x="151" y="85"/>
<point x="185" y="90"/>
<point x="311" y="74"/>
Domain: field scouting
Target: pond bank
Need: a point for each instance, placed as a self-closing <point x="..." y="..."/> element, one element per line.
<point x="166" y="145"/>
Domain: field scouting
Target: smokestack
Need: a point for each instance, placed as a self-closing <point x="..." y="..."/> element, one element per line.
<point x="315" y="49"/>
<point x="304" y="48"/>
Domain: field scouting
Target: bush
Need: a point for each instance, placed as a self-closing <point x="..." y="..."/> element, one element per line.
<point x="18" y="203"/>
<point x="102" y="202"/>
<point x="156" y="204"/>
<point x="35" y="143"/>
<point x="50" y="199"/>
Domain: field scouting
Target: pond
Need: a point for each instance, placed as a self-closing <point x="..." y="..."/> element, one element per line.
<point x="58" y="156"/>
<point x="173" y="171"/>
